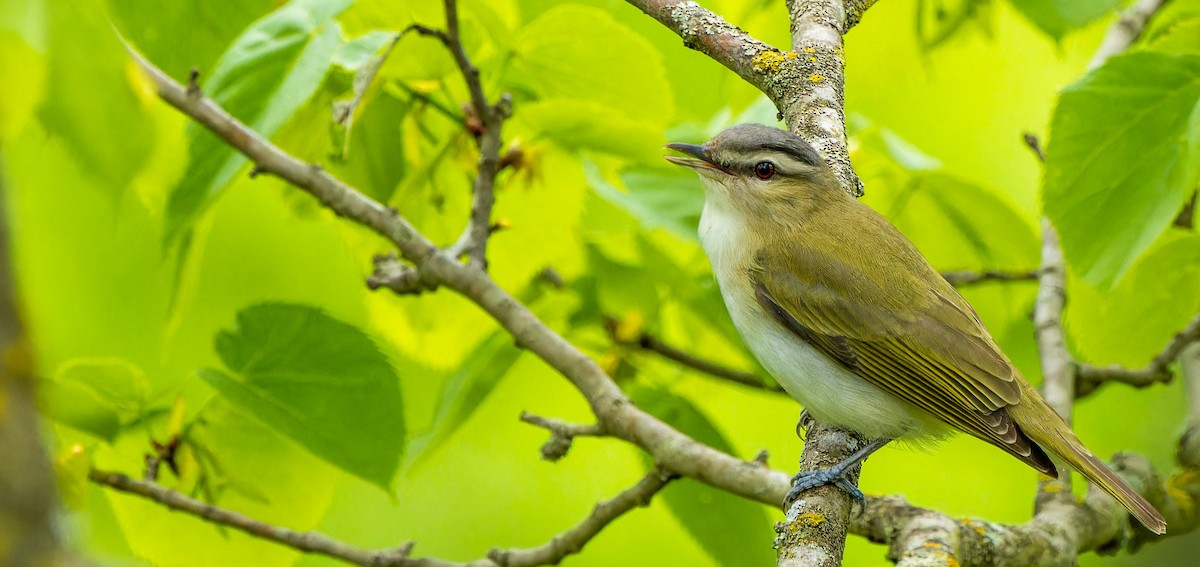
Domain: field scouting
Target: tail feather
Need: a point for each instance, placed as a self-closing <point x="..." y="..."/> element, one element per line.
<point x="1070" y="449"/>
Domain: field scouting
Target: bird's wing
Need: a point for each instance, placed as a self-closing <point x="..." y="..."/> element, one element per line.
<point x="935" y="354"/>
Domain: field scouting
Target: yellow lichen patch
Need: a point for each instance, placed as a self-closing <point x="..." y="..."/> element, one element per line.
<point x="810" y="519"/>
<point x="1178" y="492"/>
<point x="950" y="560"/>
<point x="809" y="50"/>
<point x="816" y="78"/>
<point x="812" y="59"/>
<point x="932" y="545"/>
<point x="978" y="528"/>
<point x="771" y="60"/>
<point x="1054" y="487"/>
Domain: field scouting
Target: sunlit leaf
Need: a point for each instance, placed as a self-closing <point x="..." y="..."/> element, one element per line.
<point x="557" y="57"/>
<point x="582" y="124"/>
<point x="317" y="380"/>
<point x="1124" y="153"/>
<point x="734" y="531"/>
<point x="1157" y="297"/>
<point x="262" y="79"/>
<point x="19" y="64"/>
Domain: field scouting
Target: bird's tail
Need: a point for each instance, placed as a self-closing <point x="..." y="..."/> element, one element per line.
<point x="1064" y="443"/>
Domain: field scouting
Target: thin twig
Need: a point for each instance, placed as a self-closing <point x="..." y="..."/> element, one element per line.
<point x="551" y="553"/>
<point x="490" y="118"/>
<point x="308" y="542"/>
<point x="573" y="540"/>
<point x="1157" y="371"/>
<point x="561" y="434"/>
<point x="965" y="277"/>
<point x="750" y="379"/>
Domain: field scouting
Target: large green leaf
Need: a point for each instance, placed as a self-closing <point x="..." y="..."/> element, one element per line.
<point x="733" y="530"/>
<point x="1124" y="153"/>
<point x="1057" y="17"/>
<point x="95" y="100"/>
<point x="262" y="79"/>
<point x="320" y="381"/>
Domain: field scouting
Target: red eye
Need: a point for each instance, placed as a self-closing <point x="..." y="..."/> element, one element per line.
<point x="764" y="169"/>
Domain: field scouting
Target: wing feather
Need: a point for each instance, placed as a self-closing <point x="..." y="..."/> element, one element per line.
<point x="940" y="358"/>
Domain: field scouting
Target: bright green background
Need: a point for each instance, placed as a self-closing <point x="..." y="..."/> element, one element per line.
<point x="155" y="274"/>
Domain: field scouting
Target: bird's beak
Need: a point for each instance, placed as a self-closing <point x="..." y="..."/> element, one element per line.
<point x="701" y="160"/>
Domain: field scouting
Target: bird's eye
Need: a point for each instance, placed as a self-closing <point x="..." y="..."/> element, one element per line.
<point x="764" y="169"/>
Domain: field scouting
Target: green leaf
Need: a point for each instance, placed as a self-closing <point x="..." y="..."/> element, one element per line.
<point x="372" y="158"/>
<point x="1182" y="36"/>
<point x="945" y="217"/>
<point x="557" y="56"/>
<point x="1157" y="298"/>
<point x="96" y="395"/>
<point x="1124" y="154"/>
<point x="159" y="29"/>
<point x="262" y="79"/>
<point x="1057" y="17"/>
<point x="464" y="391"/>
<point x="582" y="124"/>
<point x="320" y="381"/>
<point x="667" y="200"/>
<point x="96" y="100"/>
<point x="734" y="531"/>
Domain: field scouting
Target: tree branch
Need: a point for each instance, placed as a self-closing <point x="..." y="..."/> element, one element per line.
<point x="308" y="542"/>
<point x="964" y="277"/>
<point x="561" y="434"/>
<point x="552" y="553"/>
<point x="672" y="450"/>
<point x="1091" y="377"/>
<point x="27" y="492"/>
<point x="651" y="343"/>
<point x="485" y="122"/>
<point x="711" y="35"/>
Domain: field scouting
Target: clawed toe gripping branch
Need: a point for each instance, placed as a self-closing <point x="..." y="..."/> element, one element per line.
<point x="1059" y="531"/>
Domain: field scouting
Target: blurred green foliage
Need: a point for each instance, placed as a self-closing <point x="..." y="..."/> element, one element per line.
<point x="170" y="295"/>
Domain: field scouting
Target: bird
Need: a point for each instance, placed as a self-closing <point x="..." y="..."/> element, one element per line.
<point x="854" y="323"/>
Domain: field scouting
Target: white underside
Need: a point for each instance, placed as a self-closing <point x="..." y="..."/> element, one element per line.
<point x="829" y="391"/>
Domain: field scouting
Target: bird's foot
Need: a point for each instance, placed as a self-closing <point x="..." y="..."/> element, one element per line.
<point x="808" y="480"/>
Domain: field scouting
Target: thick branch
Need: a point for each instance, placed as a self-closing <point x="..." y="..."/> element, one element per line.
<point x="27" y="492"/>
<point x="711" y="35"/>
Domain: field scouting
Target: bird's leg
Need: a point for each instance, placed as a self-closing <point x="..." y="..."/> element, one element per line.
<point x="805" y="480"/>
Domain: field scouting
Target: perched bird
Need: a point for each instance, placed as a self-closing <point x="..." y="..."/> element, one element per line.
<point x="854" y="323"/>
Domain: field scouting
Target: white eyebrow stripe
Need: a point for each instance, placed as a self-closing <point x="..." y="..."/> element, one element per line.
<point x="783" y="162"/>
